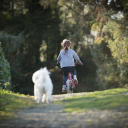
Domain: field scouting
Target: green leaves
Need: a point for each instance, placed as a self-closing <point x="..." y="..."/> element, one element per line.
<point x="5" y="75"/>
<point x="112" y="71"/>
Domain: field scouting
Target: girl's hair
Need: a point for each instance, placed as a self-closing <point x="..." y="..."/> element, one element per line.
<point x="66" y="43"/>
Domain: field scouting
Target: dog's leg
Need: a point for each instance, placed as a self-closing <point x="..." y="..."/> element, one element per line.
<point x="48" y="98"/>
<point x="44" y="97"/>
<point x="35" y="92"/>
<point x="39" y="100"/>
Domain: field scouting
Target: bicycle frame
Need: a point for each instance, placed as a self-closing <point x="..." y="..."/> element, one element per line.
<point x="70" y="86"/>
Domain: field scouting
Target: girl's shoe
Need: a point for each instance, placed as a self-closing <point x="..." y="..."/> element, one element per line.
<point x="75" y="81"/>
<point x="63" y="89"/>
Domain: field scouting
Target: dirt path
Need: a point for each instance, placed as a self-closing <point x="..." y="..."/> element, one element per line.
<point x="53" y="116"/>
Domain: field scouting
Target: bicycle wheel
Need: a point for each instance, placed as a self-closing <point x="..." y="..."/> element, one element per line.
<point x="69" y="88"/>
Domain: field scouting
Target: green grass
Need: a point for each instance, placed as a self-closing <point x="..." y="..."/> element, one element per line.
<point x="11" y="102"/>
<point x="102" y="100"/>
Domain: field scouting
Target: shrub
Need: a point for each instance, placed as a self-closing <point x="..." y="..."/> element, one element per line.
<point x="5" y="75"/>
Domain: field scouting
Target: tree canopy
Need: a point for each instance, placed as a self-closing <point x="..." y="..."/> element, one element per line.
<point x="31" y="33"/>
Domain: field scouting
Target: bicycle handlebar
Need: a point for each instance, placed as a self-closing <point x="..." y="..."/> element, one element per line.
<point x="75" y="63"/>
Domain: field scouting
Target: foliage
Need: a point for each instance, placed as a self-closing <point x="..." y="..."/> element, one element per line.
<point x="31" y="34"/>
<point x="119" y="47"/>
<point x="110" y="45"/>
<point x="77" y="17"/>
<point x="22" y="44"/>
<point x="103" y="100"/>
<point x="5" y="75"/>
<point x="10" y="42"/>
<point x="118" y="41"/>
<point x="111" y="55"/>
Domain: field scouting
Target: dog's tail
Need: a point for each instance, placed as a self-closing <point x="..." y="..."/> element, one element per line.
<point x="35" y="76"/>
<point x="34" y="79"/>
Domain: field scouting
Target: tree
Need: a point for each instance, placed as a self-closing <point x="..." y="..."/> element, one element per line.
<point x="97" y="16"/>
<point x="33" y="28"/>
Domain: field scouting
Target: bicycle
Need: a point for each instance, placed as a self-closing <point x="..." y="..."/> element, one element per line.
<point x="70" y="84"/>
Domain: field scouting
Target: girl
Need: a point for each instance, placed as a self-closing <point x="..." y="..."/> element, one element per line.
<point x="66" y="59"/>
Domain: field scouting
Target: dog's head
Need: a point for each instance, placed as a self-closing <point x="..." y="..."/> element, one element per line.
<point x="45" y="71"/>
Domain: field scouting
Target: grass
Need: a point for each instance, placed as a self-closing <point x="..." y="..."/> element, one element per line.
<point x="102" y="100"/>
<point x="11" y="102"/>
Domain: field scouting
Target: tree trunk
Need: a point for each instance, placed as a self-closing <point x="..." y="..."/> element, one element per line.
<point x="48" y="62"/>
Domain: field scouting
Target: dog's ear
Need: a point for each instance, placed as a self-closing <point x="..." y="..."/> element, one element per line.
<point x="45" y="68"/>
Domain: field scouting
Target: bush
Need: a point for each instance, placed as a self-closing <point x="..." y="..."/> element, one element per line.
<point x="5" y="75"/>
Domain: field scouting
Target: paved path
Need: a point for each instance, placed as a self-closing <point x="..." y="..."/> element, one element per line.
<point x="53" y="116"/>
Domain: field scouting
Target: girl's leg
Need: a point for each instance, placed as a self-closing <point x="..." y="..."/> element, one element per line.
<point x="74" y="74"/>
<point x="65" y="76"/>
<point x="75" y="77"/>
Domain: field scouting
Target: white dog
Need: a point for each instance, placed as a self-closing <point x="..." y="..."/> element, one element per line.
<point x="42" y="85"/>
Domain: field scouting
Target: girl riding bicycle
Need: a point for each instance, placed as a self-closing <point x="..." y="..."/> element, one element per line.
<point x="66" y="60"/>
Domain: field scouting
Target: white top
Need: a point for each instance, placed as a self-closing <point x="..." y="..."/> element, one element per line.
<point x="67" y="59"/>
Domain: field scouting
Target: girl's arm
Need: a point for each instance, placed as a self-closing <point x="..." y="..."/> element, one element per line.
<point x="59" y="58"/>
<point x="76" y="57"/>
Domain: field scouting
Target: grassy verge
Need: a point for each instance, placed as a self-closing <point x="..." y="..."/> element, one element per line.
<point x="11" y="102"/>
<point x="103" y="100"/>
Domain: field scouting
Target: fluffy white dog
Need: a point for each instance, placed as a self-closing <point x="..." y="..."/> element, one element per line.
<point x="42" y="85"/>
